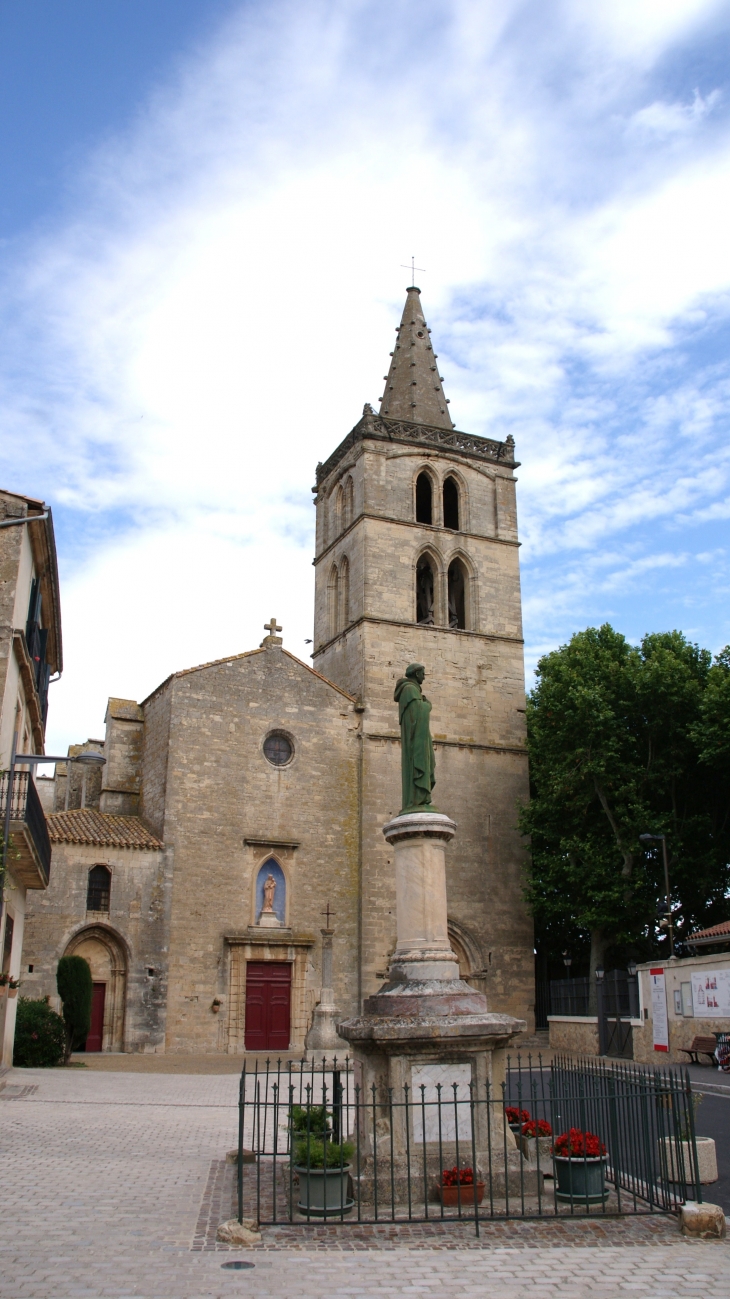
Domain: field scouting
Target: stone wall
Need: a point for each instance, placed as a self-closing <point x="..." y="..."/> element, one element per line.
<point x="121" y="779"/>
<point x="574" y="1036"/>
<point x="683" y="1027"/>
<point x="127" y="942"/>
<point x="681" y="1034"/>
<point x="155" y="749"/>
<point x="228" y="809"/>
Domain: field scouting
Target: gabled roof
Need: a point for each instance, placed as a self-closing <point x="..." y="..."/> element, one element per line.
<point x="247" y="654"/>
<point x="101" y="829"/>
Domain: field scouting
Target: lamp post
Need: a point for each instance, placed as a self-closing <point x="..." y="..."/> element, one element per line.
<point x="650" y="838"/>
<point x="31" y="760"/>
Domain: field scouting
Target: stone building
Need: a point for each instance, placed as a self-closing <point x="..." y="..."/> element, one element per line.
<point x="245" y="795"/>
<point x="30" y="653"/>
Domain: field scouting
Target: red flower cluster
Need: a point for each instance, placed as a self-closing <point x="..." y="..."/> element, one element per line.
<point x="457" y="1176"/>
<point x="515" y="1115"/>
<point x="537" y="1128"/>
<point x="577" y="1144"/>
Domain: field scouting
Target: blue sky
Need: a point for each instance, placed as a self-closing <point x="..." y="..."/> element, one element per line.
<point x="204" y="208"/>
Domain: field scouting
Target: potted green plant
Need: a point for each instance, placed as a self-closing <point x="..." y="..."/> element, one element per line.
<point x="323" y="1170"/>
<point x="458" y="1187"/>
<point x="580" y="1167"/>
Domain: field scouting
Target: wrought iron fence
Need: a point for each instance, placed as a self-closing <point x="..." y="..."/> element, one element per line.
<point x="570" y="996"/>
<point x="444" y="1149"/>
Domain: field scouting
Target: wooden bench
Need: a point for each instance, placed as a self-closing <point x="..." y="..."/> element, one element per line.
<point x="700" y="1046"/>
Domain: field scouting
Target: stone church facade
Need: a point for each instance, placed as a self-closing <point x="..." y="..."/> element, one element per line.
<point x="246" y="795"/>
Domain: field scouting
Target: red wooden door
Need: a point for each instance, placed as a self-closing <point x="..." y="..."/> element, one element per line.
<point x="96" y="1032"/>
<point x="268" y="1006"/>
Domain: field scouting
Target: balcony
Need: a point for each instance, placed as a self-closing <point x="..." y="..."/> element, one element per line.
<point x="29" y="851"/>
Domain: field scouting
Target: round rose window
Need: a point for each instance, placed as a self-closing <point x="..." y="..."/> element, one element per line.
<point x="278" y="748"/>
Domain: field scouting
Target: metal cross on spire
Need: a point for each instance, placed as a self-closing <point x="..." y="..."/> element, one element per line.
<point x="413" y="268"/>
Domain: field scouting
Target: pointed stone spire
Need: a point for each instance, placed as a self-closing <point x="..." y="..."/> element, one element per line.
<point x="413" y="388"/>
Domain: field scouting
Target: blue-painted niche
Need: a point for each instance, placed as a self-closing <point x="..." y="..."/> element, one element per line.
<point x="272" y="867"/>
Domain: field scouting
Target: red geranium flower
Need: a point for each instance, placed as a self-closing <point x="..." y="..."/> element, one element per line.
<point x="515" y="1115"/>
<point x="578" y="1145"/>
<point x="456" y="1176"/>
<point x="537" y="1128"/>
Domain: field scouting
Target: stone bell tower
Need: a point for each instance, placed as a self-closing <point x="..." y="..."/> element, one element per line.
<point x="417" y="560"/>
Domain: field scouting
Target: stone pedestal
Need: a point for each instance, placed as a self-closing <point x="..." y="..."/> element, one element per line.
<point x="427" y="1027"/>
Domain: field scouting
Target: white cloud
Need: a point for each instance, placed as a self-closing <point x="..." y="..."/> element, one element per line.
<point x="662" y="118"/>
<point x="206" y="322"/>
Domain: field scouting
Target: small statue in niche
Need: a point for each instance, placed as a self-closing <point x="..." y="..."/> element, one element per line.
<point x="269" y="891"/>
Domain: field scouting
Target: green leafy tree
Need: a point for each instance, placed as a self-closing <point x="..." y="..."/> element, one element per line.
<point x="73" y="981"/>
<point x="614" y="737"/>
<point x="40" y="1036"/>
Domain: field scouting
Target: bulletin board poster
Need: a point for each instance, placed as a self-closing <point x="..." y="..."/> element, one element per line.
<point x="659" y="1017"/>
<point x="711" y="994"/>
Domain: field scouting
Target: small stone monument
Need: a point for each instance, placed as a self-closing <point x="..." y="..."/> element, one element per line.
<point x="323" y="1038"/>
<point x="427" y="1025"/>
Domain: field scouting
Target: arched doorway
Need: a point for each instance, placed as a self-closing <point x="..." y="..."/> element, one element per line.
<point x="105" y="953"/>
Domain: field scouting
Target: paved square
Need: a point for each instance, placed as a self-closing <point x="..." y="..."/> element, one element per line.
<point x="112" y="1185"/>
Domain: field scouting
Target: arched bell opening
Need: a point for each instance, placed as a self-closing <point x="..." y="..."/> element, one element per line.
<point x="343" y="595"/>
<point x="333" y="602"/>
<point x="425" y="592"/>
<point x="457" y="595"/>
<point x="451" y="504"/>
<point x="424" y="499"/>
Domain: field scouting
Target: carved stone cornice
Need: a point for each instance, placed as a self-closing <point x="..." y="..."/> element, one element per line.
<point x="379" y="428"/>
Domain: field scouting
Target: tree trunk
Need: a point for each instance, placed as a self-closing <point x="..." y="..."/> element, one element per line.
<point x="599" y="943"/>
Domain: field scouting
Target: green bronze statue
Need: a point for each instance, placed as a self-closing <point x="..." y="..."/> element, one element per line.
<point x="418" y="765"/>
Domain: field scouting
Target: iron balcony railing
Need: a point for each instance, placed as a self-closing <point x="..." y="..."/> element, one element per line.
<point x="25" y="806"/>
<point x="441" y="1151"/>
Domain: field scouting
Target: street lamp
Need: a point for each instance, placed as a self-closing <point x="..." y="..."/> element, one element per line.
<point x="650" y="838"/>
<point x="30" y="760"/>
<point x="567" y="962"/>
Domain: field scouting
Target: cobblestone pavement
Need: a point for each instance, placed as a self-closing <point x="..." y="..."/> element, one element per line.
<point x="112" y="1185"/>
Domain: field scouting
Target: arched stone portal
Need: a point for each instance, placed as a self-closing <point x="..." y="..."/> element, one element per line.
<point x="105" y="952"/>
<point x="469" y="954"/>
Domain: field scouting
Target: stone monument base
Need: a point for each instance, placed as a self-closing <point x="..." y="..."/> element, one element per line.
<point x="424" y="1031"/>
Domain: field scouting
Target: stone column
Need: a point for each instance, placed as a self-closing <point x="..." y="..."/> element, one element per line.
<point x="424" y="973"/>
<point x="323" y="1038"/>
<point x="426" y="1025"/>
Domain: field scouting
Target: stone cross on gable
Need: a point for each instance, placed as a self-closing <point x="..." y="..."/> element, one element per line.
<point x="272" y="628"/>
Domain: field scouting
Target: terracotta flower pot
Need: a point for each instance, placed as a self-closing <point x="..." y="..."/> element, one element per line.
<point x="12" y="992"/>
<point x="450" y="1194"/>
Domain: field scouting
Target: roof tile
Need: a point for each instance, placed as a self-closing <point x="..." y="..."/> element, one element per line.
<point x="84" y="825"/>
